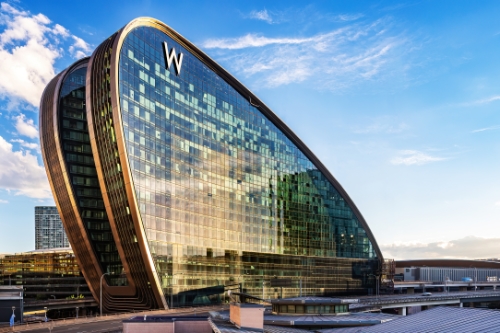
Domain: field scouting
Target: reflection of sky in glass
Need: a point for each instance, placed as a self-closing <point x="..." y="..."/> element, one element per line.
<point x="212" y="174"/>
<point x="210" y="170"/>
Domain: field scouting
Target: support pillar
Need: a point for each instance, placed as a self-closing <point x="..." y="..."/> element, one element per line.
<point x="410" y="290"/>
<point x="461" y="305"/>
<point x="402" y="311"/>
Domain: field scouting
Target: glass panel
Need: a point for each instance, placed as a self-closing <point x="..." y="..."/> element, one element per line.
<point x="83" y="174"/>
<point x="225" y="197"/>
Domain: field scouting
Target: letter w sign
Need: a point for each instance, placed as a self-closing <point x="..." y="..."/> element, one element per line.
<point x="172" y="57"/>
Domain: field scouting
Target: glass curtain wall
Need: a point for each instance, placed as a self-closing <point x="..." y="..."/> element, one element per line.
<point x="83" y="175"/>
<point x="225" y="197"/>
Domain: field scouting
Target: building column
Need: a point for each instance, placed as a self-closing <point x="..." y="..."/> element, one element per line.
<point x="461" y="305"/>
<point x="402" y="311"/>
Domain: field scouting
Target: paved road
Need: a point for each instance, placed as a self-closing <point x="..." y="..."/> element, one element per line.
<point x="111" y="325"/>
<point x="103" y="326"/>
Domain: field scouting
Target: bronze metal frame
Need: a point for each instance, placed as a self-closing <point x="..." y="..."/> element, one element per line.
<point x="115" y="298"/>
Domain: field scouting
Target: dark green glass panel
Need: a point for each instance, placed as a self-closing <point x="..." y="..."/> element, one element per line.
<point x="83" y="175"/>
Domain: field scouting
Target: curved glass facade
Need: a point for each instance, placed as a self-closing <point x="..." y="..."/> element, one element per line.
<point x="224" y="195"/>
<point x="166" y="172"/>
<point x="83" y="175"/>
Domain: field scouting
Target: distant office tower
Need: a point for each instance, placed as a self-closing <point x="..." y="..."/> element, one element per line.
<point x="49" y="230"/>
<point x="176" y="183"/>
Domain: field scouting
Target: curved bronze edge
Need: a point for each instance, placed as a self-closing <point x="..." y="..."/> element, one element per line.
<point x="57" y="83"/>
<point x="244" y="91"/>
<point x="113" y="290"/>
<point x="60" y="182"/>
<point x="126" y="170"/>
<point x="144" y="249"/>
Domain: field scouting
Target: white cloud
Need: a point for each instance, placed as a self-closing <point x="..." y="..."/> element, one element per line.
<point x="80" y="48"/>
<point x="335" y="59"/>
<point x="491" y="128"/>
<point x="414" y="157"/>
<point x="29" y="47"/>
<point x="382" y="125"/>
<point x="497" y="203"/>
<point x="21" y="173"/>
<point x="348" y="17"/>
<point x="26" y="126"/>
<point x="262" y="15"/>
<point x="470" y="247"/>
<point x="252" y="40"/>
<point x="3" y="201"/>
<point x="29" y="145"/>
<point x="480" y="101"/>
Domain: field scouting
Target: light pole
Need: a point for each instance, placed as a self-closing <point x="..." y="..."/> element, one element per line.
<point x="376" y="283"/>
<point x="45" y="309"/>
<point x="100" y="291"/>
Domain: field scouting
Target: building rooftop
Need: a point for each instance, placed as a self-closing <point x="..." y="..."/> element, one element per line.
<point x="347" y="319"/>
<point x="437" y="320"/>
<point x="222" y="326"/>
<point x="314" y="300"/>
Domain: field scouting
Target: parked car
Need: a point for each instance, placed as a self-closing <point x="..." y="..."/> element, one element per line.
<point x="427" y="294"/>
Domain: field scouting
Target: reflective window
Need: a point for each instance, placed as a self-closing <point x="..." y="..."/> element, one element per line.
<point x="83" y="175"/>
<point x="225" y="197"/>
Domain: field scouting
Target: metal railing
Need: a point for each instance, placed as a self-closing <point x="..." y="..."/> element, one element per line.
<point x="53" y="323"/>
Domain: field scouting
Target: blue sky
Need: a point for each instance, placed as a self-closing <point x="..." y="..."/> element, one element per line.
<point x="400" y="100"/>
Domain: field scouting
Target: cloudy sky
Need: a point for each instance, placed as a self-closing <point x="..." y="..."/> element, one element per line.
<point x="400" y="100"/>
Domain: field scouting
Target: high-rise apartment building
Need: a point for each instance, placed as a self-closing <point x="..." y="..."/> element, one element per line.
<point x="49" y="230"/>
<point x="174" y="182"/>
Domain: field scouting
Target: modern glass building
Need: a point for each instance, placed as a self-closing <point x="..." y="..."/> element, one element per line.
<point x="177" y="182"/>
<point x="44" y="274"/>
<point x="49" y="230"/>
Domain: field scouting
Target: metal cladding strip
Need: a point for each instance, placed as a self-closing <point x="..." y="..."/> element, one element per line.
<point x="112" y="296"/>
<point x="256" y="102"/>
<point x="61" y="186"/>
<point x="108" y="150"/>
<point x="53" y="155"/>
<point x="110" y="302"/>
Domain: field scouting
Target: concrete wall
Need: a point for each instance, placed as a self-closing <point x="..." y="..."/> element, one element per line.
<point x="247" y="316"/>
<point x="191" y="326"/>
<point x="148" y="327"/>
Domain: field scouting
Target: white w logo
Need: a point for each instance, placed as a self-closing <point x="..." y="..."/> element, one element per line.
<point x="172" y="56"/>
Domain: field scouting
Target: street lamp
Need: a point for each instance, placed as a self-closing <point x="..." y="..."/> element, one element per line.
<point x="100" y="291"/>
<point x="377" y="283"/>
<point x="45" y="309"/>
